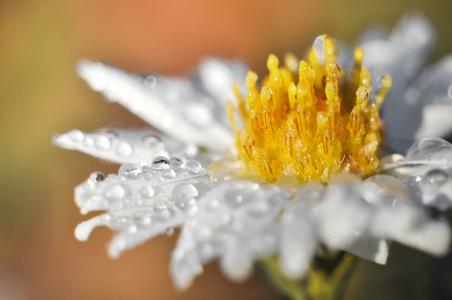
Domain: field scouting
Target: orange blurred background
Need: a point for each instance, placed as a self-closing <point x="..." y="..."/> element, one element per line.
<point x="40" y="95"/>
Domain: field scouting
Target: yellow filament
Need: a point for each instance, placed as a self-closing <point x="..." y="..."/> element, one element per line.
<point x="302" y="129"/>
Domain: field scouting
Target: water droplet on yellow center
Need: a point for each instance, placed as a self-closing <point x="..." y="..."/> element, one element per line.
<point x="312" y="129"/>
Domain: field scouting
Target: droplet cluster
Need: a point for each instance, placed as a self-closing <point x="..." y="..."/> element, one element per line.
<point x="430" y="160"/>
<point x="141" y="201"/>
<point x="124" y="146"/>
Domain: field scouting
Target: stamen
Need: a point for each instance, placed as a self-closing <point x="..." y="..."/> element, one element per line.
<point x="303" y="129"/>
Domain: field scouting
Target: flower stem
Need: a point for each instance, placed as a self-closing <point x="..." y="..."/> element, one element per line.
<point x="326" y="279"/>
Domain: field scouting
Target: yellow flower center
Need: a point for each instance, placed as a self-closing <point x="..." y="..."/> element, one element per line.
<point x="312" y="129"/>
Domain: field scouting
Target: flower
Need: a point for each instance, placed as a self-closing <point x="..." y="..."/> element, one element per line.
<point x="266" y="202"/>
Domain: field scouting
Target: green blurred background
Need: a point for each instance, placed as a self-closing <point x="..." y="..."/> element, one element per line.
<point x="40" y="95"/>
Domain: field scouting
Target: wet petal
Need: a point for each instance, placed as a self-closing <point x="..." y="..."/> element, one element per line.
<point x="125" y="145"/>
<point x="299" y="242"/>
<point x="427" y="171"/>
<point x="171" y="105"/>
<point x="343" y="214"/>
<point x="400" y="54"/>
<point x="235" y="222"/>
<point x="370" y="248"/>
<point x="410" y="225"/>
<point x="217" y="77"/>
<point x="432" y="92"/>
<point x="141" y="202"/>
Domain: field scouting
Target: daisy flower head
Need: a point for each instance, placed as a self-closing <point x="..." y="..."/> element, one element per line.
<point x="298" y="171"/>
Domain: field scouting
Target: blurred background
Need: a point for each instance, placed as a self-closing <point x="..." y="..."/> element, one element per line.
<point x="40" y="95"/>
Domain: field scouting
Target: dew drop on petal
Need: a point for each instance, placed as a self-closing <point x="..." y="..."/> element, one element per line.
<point x="233" y="198"/>
<point x="449" y="91"/>
<point x="162" y="214"/>
<point x="89" y="142"/>
<point x="433" y="180"/>
<point x="151" y="140"/>
<point x="150" y="81"/>
<point x="193" y="167"/>
<point x="96" y="177"/>
<point x="160" y="163"/>
<point x="184" y="195"/>
<point x="115" y="191"/>
<point x="176" y="163"/>
<point x="184" y="191"/>
<point x="213" y="205"/>
<point x="414" y="180"/>
<point x="129" y="170"/>
<point x="76" y="135"/>
<point x="132" y="229"/>
<point x="168" y="173"/>
<point x="169" y="231"/>
<point x="103" y="143"/>
<point x="124" y="149"/>
<point x="424" y="148"/>
<point x="147" y="192"/>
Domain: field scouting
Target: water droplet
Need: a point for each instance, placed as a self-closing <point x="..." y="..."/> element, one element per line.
<point x="168" y="173"/>
<point x="234" y="198"/>
<point x="169" y="231"/>
<point x="162" y="203"/>
<point x="144" y="219"/>
<point x="76" y="135"/>
<point x="150" y="81"/>
<point x="449" y="91"/>
<point x="103" y="143"/>
<point x="132" y="229"/>
<point x="88" y="142"/>
<point x="213" y="205"/>
<point x="129" y="170"/>
<point x="96" y="177"/>
<point x="193" y="167"/>
<point x="160" y="163"/>
<point x="425" y="148"/>
<point x="433" y="180"/>
<point x="115" y="191"/>
<point x="176" y="163"/>
<point x="147" y="192"/>
<point x="414" y="180"/>
<point x="124" y="149"/>
<point x="163" y="214"/>
<point x="184" y="195"/>
<point x="151" y="140"/>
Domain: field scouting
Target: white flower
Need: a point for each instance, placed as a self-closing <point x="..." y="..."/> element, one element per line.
<point x="164" y="181"/>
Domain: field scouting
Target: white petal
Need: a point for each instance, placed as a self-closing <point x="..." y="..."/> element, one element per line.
<point x="345" y="214"/>
<point x="171" y="105"/>
<point x="298" y="242"/>
<point x="125" y="145"/>
<point x="401" y="55"/>
<point x="433" y="92"/>
<point x="370" y="248"/>
<point x="409" y="225"/>
<point x="218" y="77"/>
<point x="141" y="202"/>
<point x="235" y="221"/>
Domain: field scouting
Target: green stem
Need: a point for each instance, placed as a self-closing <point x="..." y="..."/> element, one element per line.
<point x="326" y="279"/>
